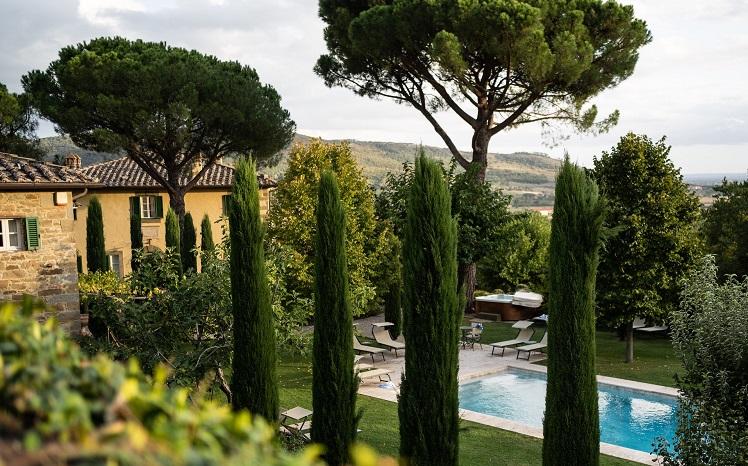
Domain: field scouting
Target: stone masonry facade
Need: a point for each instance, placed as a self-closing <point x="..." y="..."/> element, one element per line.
<point x="49" y="272"/>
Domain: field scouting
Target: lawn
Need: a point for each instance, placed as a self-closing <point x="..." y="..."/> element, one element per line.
<point x="654" y="359"/>
<point x="479" y="445"/>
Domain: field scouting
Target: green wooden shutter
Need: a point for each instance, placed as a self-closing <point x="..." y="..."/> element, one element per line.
<point x="32" y="233"/>
<point x="225" y="203"/>
<point x="159" y="207"/>
<point x="135" y="205"/>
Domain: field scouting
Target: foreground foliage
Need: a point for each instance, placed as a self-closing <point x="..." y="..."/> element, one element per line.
<point x="710" y="335"/>
<point x="571" y="427"/>
<point x="428" y="410"/>
<point x="334" y="383"/>
<point x="58" y="406"/>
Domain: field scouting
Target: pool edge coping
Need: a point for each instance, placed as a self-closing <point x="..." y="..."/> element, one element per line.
<point x="608" y="449"/>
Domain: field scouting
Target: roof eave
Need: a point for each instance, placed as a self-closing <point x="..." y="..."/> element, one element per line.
<point x="26" y="186"/>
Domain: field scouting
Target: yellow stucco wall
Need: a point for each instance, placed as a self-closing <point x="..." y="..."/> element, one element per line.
<point x="115" y="207"/>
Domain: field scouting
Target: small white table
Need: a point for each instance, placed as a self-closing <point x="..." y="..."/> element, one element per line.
<point x="298" y="414"/>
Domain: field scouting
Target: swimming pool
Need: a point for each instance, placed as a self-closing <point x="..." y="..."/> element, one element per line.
<point x="628" y="418"/>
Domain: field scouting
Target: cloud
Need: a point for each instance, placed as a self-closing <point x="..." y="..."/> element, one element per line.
<point x="688" y="84"/>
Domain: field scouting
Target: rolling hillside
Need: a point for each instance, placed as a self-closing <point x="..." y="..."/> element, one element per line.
<point x="529" y="177"/>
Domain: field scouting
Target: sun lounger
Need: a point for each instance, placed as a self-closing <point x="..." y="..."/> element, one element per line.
<point x="379" y="373"/>
<point x="653" y="328"/>
<point x="382" y="336"/>
<point x="640" y="325"/>
<point x="370" y="350"/>
<point x="523" y="337"/>
<point x="534" y="347"/>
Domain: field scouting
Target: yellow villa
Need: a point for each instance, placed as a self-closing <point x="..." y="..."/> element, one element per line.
<point x="124" y="183"/>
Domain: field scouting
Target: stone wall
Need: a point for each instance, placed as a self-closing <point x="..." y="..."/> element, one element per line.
<point x="49" y="272"/>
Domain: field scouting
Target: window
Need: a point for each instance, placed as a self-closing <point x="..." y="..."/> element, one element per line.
<point x="225" y="203"/>
<point x="151" y="207"/>
<point x="115" y="263"/>
<point x="12" y="234"/>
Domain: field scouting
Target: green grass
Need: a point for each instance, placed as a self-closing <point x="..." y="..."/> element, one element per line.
<point x="654" y="359"/>
<point x="479" y="445"/>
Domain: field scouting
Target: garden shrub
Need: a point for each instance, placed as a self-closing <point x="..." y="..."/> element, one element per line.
<point x="481" y="213"/>
<point x="725" y="227"/>
<point x="522" y="258"/>
<point x="185" y="320"/>
<point x="291" y="222"/>
<point x="710" y="336"/>
<point x="59" y="406"/>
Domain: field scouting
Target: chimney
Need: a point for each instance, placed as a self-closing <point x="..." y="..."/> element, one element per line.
<point x="73" y="161"/>
<point x="196" y="166"/>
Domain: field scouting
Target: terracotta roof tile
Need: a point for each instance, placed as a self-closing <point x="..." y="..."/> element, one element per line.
<point x="125" y="173"/>
<point x="19" y="171"/>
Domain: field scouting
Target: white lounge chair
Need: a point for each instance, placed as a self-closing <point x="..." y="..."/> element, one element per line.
<point x="640" y="325"/>
<point x="534" y="347"/>
<point x="370" y="350"/>
<point x="379" y="373"/>
<point x="382" y="336"/>
<point x="653" y="328"/>
<point x="523" y="337"/>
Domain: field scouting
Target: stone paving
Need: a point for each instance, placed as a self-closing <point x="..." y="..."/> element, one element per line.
<point x="478" y="362"/>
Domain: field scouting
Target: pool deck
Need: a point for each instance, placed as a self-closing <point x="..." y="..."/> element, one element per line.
<point x="478" y="362"/>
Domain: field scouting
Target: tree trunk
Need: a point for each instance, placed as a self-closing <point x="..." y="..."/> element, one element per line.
<point x="629" y="336"/>
<point x="481" y="138"/>
<point x="466" y="277"/>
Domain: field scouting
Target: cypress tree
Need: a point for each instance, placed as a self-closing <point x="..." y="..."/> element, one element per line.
<point x="206" y="235"/>
<point x="427" y="407"/>
<point x="136" y="232"/>
<point x="173" y="234"/>
<point x="393" y="306"/>
<point x="95" y="249"/>
<point x="253" y="380"/>
<point x="172" y="230"/>
<point x="571" y="427"/>
<point x="188" y="244"/>
<point x="334" y="383"/>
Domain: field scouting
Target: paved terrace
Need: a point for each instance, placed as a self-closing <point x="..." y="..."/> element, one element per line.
<point x="479" y="362"/>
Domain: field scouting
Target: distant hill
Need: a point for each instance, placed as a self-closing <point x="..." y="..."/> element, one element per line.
<point x="57" y="147"/>
<point x="528" y="176"/>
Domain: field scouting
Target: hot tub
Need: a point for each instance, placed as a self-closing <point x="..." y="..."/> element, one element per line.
<point x="509" y="307"/>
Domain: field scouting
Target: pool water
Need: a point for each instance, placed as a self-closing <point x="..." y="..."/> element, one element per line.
<point x="628" y="418"/>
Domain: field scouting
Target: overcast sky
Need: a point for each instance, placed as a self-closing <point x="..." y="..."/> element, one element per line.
<point x="690" y="84"/>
